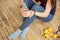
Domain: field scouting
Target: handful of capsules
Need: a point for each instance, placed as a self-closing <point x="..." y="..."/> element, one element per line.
<point x="49" y="32"/>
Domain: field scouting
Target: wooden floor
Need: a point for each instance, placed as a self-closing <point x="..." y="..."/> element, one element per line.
<point x="10" y="20"/>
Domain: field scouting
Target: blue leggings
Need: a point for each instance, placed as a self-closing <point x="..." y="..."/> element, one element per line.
<point x="27" y="21"/>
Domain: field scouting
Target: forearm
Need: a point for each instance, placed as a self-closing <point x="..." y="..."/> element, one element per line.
<point x="41" y="14"/>
<point x="46" y="12"/>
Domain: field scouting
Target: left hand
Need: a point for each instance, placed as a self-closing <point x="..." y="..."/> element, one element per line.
<point x="31" y="13"/>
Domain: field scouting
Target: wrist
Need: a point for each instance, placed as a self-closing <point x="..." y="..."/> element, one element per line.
<point x="35" y="13"/>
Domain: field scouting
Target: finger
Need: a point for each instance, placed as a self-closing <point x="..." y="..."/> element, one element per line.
<point x="31" y="15"/>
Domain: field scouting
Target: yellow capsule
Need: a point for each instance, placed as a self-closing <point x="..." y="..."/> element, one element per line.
<point x="51" y="34"/>
<point x="46" y="31"/>
<point x="54" y="36"/>
<point x="50" y="29"/>
<point x="46" y="36"/>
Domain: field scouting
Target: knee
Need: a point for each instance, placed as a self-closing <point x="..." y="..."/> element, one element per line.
<point x="38" y="8"/>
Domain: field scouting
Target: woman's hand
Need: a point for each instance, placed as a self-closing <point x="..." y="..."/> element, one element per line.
<point x="31" y="13"/>
<point x="26" y="14"/>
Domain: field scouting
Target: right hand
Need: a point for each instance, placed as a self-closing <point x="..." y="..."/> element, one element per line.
<point x="26" y="14"/>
